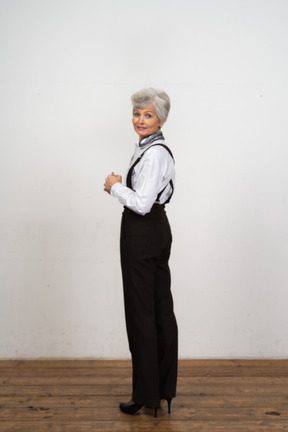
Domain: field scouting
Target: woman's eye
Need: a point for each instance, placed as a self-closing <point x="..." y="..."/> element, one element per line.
<point x="136" y="114"/>
<point x="148" y="116"/>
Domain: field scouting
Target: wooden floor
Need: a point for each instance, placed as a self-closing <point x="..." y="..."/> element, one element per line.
<point x="83" y="396"/>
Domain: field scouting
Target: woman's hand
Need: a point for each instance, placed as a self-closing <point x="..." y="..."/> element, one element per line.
<point x="110" y="180"/>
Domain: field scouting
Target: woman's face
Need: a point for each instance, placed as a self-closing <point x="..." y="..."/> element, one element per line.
<point x="145" y="121"/>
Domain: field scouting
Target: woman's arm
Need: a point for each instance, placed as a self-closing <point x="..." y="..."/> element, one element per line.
<point x="151" y="175"/>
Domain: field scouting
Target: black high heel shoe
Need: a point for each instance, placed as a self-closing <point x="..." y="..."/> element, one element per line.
<point x="130" y="407"/>
<point x="169" y="404"/>
<point x="169" y="400"/>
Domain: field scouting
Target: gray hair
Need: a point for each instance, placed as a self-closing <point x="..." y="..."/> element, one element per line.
<point x="158" y="98"/>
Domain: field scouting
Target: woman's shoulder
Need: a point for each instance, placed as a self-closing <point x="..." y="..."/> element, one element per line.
<point x="159" y="149"/>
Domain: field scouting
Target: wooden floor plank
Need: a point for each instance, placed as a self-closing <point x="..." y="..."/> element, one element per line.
<point x="212" y="390"/>
<point x="272" y="403"/>
<point x="126" y="381"/>
<point x="42" y="412"/>
<point x="126" y="372"/>
<point x="216" y="389"/>
<point x="202" y="364"/>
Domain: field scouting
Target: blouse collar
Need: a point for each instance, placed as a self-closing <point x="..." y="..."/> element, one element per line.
<point x="151" y="138"/>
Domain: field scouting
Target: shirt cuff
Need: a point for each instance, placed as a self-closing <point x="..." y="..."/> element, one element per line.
<point x="115" y="188"/>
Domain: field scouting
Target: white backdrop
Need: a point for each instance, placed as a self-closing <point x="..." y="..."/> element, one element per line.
<point x="68" y="69"/>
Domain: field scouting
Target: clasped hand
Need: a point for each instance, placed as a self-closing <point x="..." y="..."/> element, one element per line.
<point x="110" y="180"/>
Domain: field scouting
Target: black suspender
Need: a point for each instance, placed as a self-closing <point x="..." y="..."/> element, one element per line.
<point x="129" y="175"/>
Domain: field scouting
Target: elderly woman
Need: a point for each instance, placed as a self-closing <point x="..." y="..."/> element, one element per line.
<point x="145" y="249"/>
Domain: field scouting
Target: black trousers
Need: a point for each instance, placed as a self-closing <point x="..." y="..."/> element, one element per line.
<point x="150" y="321"/>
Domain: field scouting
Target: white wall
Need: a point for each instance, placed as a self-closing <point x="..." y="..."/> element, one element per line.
<point x="68" y="69"/>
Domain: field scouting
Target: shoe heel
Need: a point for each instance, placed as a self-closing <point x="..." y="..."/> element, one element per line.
<point x="169" y="405"/>
<point x="155" y="412"/>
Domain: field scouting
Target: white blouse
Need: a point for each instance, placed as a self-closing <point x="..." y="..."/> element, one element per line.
<point x="150" y="176"/>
